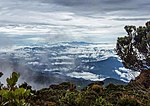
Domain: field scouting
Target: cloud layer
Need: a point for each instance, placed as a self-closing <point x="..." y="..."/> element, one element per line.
<point x="89" y="20"/>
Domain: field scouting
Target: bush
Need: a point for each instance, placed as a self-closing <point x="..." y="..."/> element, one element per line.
<point x="128" y="102"/>
<point x="69" y="99"/>
<point x="102" y="102"/>
<point x="97" y="88"/>
<point x="11" y="95"/>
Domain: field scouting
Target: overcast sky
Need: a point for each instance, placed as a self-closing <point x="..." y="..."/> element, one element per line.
<point x="61" y="20"/>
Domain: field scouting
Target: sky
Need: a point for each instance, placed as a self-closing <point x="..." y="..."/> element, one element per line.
<point x="69" y="20"/>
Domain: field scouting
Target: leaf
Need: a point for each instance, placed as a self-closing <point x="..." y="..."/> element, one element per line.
<point x="9" y="81"/>
<point x="13" y="79"/>
<point x="27" y="93"/>
<point x="20" y="92"/>
<point x="4" y="93"/>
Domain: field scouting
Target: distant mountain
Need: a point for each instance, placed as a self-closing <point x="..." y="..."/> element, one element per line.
<point x="108" y="81"/>
<point x="66" y="61"/>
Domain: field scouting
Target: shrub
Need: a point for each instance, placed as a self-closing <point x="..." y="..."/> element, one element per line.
<point x="97" y="88"/>
<point x="69" y="99"/>
<point x="102" y="102"/>
<point x="11" y="95"/>
<point x="128" y="102"/>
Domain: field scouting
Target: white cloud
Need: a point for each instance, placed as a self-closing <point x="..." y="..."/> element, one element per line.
<point x="126" y="74"/>
<point x="70" y="18"/>
<point x="86" y="76"/>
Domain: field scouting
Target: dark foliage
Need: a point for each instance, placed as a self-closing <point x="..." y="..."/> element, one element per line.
<point x="134" y="49"/>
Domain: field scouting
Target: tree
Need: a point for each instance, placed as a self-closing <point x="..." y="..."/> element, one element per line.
<point x="12" y="95"/>
<point x="134" y="49"/>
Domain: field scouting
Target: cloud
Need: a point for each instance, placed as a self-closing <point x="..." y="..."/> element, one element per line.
<point x="71" y="19"/>
<point x="132" y="19"/>
<point x="86" y="76"/>
<point x="103" y="5"/>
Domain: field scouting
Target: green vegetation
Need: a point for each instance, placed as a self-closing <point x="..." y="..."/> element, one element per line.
<point x="66" y="94"/>
<point x="11" y="95"/>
